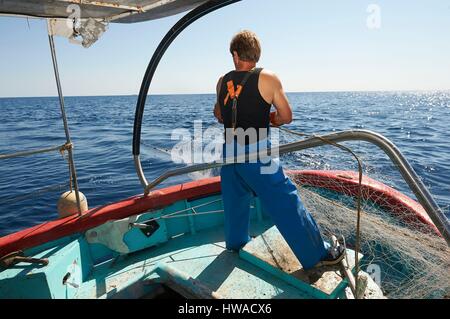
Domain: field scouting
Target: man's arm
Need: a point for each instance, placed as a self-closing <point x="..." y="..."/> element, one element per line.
<point x="283" y="115"/>
<point x="217" y="112"/>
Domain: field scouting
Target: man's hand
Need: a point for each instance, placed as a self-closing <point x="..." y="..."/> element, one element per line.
<point x="218" y="113"/>
<point x="275" y="119"/>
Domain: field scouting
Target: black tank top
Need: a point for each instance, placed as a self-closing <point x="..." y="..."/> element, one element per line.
<point x="252" y="110"/>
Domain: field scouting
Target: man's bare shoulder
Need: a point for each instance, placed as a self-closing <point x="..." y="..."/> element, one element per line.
<point x="269" y="81"/>
<point x="269" y="76"/>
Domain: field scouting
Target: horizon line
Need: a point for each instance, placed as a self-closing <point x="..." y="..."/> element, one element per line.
<point x="288" y="92"/>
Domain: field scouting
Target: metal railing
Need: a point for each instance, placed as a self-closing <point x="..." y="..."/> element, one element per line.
<point x="33" y="152"/>
<point x="68" y="146"/>
<point x="73" y="171"/>
<point x="398" y="159"/>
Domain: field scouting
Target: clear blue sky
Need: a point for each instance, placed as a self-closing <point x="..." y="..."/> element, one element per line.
<point x="312" y="45"/>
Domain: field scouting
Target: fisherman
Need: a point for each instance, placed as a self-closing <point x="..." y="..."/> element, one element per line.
<point x="244" y="100"/>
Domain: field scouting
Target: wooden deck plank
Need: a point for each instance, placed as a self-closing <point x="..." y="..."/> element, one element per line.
<point x="270" y="252"/>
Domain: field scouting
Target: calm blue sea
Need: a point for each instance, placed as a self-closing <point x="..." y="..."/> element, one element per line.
<point x="101" y="128"/>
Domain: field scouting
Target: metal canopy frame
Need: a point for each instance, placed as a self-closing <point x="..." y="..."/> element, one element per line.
<point x="181" y="25"/>
<point x="117" y="11"/>
<point x="409" y="175"/>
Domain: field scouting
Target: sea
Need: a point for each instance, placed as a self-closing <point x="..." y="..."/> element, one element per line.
<point x="101" y="129"/>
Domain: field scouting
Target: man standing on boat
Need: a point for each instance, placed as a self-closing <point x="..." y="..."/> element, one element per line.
<point x="245" y="97"/>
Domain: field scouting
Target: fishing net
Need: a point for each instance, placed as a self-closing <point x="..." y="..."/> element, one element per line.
<point x="403" y="255"/>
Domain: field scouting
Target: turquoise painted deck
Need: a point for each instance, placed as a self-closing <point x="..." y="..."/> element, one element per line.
<point x="187" y="254"/>
<point x="202" y="258"/>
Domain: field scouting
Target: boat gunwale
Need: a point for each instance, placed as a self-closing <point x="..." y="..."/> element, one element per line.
<point x="57" y="229"/>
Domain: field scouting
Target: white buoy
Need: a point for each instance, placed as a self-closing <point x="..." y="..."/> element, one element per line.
<point x="67" y="204"/>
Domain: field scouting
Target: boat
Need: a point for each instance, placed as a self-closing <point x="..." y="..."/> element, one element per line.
<point x="171" y="239"/>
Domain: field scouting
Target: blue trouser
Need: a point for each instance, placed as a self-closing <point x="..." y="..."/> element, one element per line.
<point x="279" y="198"/>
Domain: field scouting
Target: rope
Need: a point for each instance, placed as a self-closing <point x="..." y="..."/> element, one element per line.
<point x="161" y="150"/>
<point x="358" y="205"/>
<point x="177" y="213"/>
<point x="187" y="210"/>
<point x="212" y="212"/>
<point x="62" y="150"/>
<point x="65" y="147"/>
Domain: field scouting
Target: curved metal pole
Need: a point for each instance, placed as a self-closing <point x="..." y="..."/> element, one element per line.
<point x="187" y="20"/>
<point x="409" y="175"/>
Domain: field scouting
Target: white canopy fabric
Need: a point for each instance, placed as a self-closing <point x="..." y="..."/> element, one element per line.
<point x="84" y="21"/>
<point x="118" y="11"/>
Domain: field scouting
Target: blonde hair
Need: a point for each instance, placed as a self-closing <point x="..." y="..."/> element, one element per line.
<point x="247" y="46"/>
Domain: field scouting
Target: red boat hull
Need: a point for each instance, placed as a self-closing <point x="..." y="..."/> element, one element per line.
<point x="339" y="181"/>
